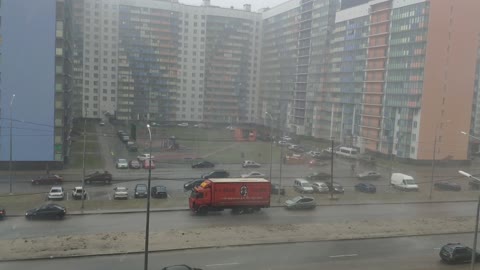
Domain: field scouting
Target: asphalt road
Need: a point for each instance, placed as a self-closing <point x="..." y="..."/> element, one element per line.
<point x="372" y="254"/>
<point x="15" y="227"/>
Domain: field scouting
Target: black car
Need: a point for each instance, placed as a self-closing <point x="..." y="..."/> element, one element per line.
<point x="457" y="253"/>
<point x="141" y="191"/>
<point x="336" y="187"/>
<point x="3" y="213"/>
<point x="446" y="185"/>
<point x="159" y="192"/>
<point x="192" y="184"/>
<point x="275" y="189"/>
<point x="365" y="187"/>
<point x="203" y="164"/>
<point x="319" y="176"/>
<point x="54" y="211"/>
<point x="216" y="174"/>
<point x="99" y="177"/>
<point x="49" y="179"/>
<point x="180" y="267"/>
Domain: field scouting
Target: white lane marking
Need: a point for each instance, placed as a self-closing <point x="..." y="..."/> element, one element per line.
<point x="221" y="264"/>
<point x="343" y="255"/>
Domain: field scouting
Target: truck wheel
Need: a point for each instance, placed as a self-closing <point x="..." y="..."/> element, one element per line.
<point x="202" y="210"/>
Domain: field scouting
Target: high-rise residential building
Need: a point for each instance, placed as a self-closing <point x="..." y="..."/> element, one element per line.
<point x="36" y="67"/>
<point x="165" y="61"/>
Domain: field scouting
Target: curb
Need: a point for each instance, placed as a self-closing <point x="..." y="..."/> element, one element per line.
<point x="228" y="246"/>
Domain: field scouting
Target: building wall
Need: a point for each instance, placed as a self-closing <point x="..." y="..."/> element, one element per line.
<point x="28" y="67"/>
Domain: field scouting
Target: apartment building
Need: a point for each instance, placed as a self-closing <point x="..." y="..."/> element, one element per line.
<point x="165" y="61"/>
<point x="38" y="74"/>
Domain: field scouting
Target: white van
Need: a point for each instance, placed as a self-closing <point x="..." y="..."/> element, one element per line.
<point x="303" y="186"/>
<point x="347" y="152"/>
<point x="403" y="182"/>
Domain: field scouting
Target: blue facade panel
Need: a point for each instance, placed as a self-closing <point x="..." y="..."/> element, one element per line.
<point x="27" y="67"/>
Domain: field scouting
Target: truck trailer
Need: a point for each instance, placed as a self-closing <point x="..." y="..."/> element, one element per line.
<point x="241" y="195"/>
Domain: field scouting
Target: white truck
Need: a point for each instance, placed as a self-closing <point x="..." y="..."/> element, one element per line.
<point x="403" y="182"/>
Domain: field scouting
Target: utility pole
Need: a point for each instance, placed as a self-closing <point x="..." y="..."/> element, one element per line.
<point x="331" y="170"/>
<point x="11" y="149"/>
<point x="433" y="165"/>
<point x="83" y="163"/>
<point x="281" y="164"/>
<point x="147" y="225"/>
<point x="271" y="145"/>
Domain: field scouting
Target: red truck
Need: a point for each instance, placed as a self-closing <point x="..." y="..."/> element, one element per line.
<point x="242" y="195"/>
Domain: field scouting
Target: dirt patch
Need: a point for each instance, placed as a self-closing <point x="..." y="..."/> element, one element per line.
<point x="217" y="236"/>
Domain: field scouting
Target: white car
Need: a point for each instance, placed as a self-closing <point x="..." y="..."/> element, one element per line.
<point x="320" y="187"/>
<point x="120" y="193"/>
<point x="77" y="193"/>
<point x="253" y="175"/>
<point x="183" y="125"/>
<point x="122" y="164"/>
<point x="230" y="128"/>
<point x="144" y="157"/>
<point x="56" y="193"/>
<point x="286" y="138"/>
<point x="282" y="143"/>
<point x="314" y="153"/>
<point x="250" y="164"/>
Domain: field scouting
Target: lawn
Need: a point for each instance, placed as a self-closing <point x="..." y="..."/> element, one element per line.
<point x="92" y="161"/>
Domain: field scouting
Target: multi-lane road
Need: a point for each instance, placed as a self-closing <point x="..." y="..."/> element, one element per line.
<point x="15" y="227"/>
<point x="400" y="253"/>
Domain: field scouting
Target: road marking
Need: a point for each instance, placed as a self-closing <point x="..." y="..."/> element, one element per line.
<point x="221" y="264"/>
<point x="343" y="255"/>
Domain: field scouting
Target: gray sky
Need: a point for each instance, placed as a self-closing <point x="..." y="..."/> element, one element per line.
<point x="238" y="4"/>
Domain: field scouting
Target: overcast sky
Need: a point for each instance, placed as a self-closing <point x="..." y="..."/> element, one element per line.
<point x="238" y="4"/>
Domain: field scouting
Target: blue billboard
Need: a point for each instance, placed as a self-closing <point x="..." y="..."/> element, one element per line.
<point x="27" y="70"/>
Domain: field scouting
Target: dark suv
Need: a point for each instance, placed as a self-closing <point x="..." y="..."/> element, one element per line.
<point x="159" y="192"/>
<point x="216" y="174"/>
<point x="140" y="191"/>
<point x="457" y="253"/>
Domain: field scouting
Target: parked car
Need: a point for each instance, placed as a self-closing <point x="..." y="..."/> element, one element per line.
<point x="134" y="164"/>
<point x="303" y="186"/>
<point x="3" y="213"/>
<point x="149" y="164"/>
<point x="192" y="184"/>
<point x="120" y="193"/>
<point x="457" y="253"/>
<point x="320" y="187"/>
<point x="78" y="192"/>
<point x="336" y="187"/>
<point x="55" y="211"/>
<point x="203" y="164"/>
<point x="120" y="133"/>
<point x="100" y="177"/>
<point x="143" y="157"/>
<point x="318" y="176"/>
<point x="286" y="138"/>
<point x="132" y="146"/>
<point x="159" y="192"/>
<point x="183" y="125"/>
<point x="200" y="125"/>
<point x="275" y="189"/>
<point x="125" y="138"/>
<point x="446" y="185"/>
<point x="365" y="187"/>
<point x="102" y="123"/>
<point x="253" y="175"/>
<point x="296" y="148"/>
<point x="141" y="191"/>
<point x="250" y="164"/>
<point x="122" y="164"/>
<point x="230" y="128"/>
<point x="56" y="193"/>
<point x="282" y="143"/>
<point x="180" y="267"/>
<point x="314" y="153"/>
<point x="317" y="163"/>
<point x="368" y="175"/>
<point x="48" y="179"/>
<point x="216" y="174"/>
<point x="301" y="202"/>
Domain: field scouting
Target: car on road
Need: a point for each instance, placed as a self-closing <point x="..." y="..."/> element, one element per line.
<point x="132" y="146"/>
<point x="336" y="187"/>
<point x="78" y="192"/>
<point x="452" y="253"/>
<point x="275" y="189"/>
<point x="183" y="125"/>
<point x="317" y="163"/>
<point x="282" y="143"/>
<point x="369" y="175"/>
<point x="192" y="184"/>
<point x="286" y="138"/>
<point x="200" y="125"/>
<point x="250" y="164"/>
<point x="230" y="128"/>
<point x="48" y="180"/>
<point x="3" y="213"/>
<point x="53" y="211"/>
<point x="447" y="185"/>
<point x="318" y="176"/>
<point x="303" y="186"/>
<point x="180" y="267"/>
<point x="102" y="123"/>
<point x="296" y="148"/>
<point x="122" y="164"/>
<point x="99" y="177"/>
<point x="149" y="164"/>
<point x="253" y="175"/>
<point x="365" y="187"/>
<point x="216" y="174"/>
<point x="120" y="193"/>
<point x="300" y="202"/>
<point x="314" y="153"/>
<point x="159" y="192"/>
<point x="203" y="164"/>
<point x="141" y="191"/>
<point x="143" y="157"/>
<point x="320" y="187"/>
<point x="125" y="138"/>
<point x="56" y="193"/>
<point x="134" y="164"/>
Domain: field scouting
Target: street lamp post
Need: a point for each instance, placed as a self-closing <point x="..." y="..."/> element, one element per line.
<point x="11" y="144"/>
<point x="331" y="169"/>
<point x="83" y="162"/>
<point x="147" y="223"/>
<point x="474" y="251"/>
<point x="271" y="145"/>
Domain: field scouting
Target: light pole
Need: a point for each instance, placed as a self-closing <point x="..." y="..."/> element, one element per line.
<point x="331" y="169"/>
<point x="271" y="145"/>
<point x="474" y="251"/>
<point x="83" y="162"/>
<point x="11" y="144"/>
<point x="147" y="223"/>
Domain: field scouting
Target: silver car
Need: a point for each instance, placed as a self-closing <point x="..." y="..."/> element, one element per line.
<point x="300" y="202"/>
<point x="320" y="187"/>
<point x="120" y="193"/>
